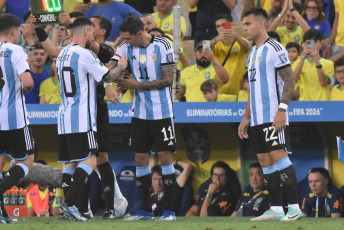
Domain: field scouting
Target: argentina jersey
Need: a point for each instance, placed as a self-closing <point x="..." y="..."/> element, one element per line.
<point x="13" y="62"/>
<point x="266" y="85"/>
<point x="146" y="66"/>
<point x="79" y="69"/>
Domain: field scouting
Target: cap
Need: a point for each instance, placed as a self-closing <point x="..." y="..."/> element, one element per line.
<point x="199" y="45"/>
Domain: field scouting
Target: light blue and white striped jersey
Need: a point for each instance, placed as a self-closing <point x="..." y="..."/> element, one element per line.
<point x="266" y="85"/>
<point x="146" y="64"/>
<point x="78" y="69"/>
<point x="13" y="62"/>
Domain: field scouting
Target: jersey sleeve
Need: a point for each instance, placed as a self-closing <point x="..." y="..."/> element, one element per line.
<point x="167" y="55"/>
<point x="20" y="61"/>
<point x="122" y="51"/>
<point x="279" y="57"/>
<point x="94" y="66"/>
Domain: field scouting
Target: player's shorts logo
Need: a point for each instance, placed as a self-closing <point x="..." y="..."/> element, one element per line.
<point x="143" y="58"/>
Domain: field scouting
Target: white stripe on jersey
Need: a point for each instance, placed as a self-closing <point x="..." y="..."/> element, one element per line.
<point x="146" y="65"/>
<point x="13" y="62"/>
<point x="78" y="71"/>
<point x="266" y="85"/>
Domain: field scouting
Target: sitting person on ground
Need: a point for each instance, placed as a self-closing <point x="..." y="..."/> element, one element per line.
<point x="192" y="77"/>
<point x="324" y="199"/>
<point x="219" y="198"/>
<point x="243" y="93"/>
<point x="157" y="195"/>
<point x="255" y="199"/>
<point x="337" y="92"/>
<point x="210" y="92"/>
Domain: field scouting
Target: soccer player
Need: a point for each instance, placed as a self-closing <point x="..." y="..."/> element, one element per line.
<point x="16" y="139"/>
<point x="271" y="89"/>
<point x="151" y="61"/>
<point x="79" y="69"/>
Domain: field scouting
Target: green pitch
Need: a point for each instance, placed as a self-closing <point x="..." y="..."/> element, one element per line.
<point x="193" y="223"/>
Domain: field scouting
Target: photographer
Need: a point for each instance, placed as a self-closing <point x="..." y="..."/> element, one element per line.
<point x="313" y="72"/>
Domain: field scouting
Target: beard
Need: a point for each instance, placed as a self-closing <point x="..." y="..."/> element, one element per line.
<point x="203" y="62"/>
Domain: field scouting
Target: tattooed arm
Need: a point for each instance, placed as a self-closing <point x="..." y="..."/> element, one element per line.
<point x="118" y="69"/>
<point x="280" y="119"/>
<point x="165" y="81"/>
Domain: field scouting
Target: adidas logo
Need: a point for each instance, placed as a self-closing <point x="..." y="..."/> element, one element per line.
<point x="107" y="189"/>
<point x="64" y="185"/>
<point x="275" y="143"/>
<point x="7" y="174"/>
<point x="171" y="143"/>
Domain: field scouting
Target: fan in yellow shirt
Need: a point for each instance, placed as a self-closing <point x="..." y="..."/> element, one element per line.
<point x="210" y="92"/>
<point x="230" y="50"/>
<point x="337" y="92"/>
<point x="49" y="90"/>
<point x="293" y="49"/>
<point x="192" y="77"/>
<point x="244" y="93"/>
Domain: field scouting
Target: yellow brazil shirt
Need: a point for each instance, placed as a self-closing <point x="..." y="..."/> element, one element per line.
<point x="166" y="24"/>
<point x="235" y="65"/>
<point x="243" y="95"/>
<point x="192" y="78"/>
<point x="337" y="94"/>
<point x="310" y="88"/>
<point x="339" y="8"/>
<point x="226" y="97"/>
<point x="59" y="197"/>
<point x="50" y="91"/>
<point x="293" y="67"/>
<point x="286" y="36"/>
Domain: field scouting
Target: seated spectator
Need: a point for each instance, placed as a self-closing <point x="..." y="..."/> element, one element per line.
<point x="230" y="50"/>
<point x="148" y="22"/>
<point x="219" y="198"/>
<point x="337" y="92"/>
<point x="210" y="92"/>
<point x="244" y="93"/>
<point x="255" y="199"/>
<point x="192" y="77"/>
<point x="324" y="199"/>
<point x="157" y="195"/>
<point x="294" y="25"/>
<point x="49" y="90"/>
<point x="316" y="19"/>
<point x="313" y="72"/>
<point x="43" y="200"/>
<point x="39" y="74"/>
<point x="293" y="49"/>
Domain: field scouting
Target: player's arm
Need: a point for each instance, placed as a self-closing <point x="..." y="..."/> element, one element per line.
<point x="27" y="81"/>
<point x="47" y="44"/>
<point x="242" y="130"/>
<point x="116" y="72"/>
<point x="193" y="211"/>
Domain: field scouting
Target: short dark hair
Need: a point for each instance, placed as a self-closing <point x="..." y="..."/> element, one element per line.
<point x="157" y="169"/>
<point x="227" y="17"/>
<point x="104" y="24"/>
<point x="37" y="46"/>
<point x="255" y="165"/>
<point x="324" y="172"/>
<point x="274" y="35"/>
<point x="256" y="12"/>
<point x="245" y="76"/>
<point x="339" y="62"/>
<point x="81" y="22"/>
<point x="131" y="24"/>
<point x="157" y="30"/>
<point x="8" y="22"/>
<point x="293" y="45"/>
<point x="76" y="14"/>
<point x="209" y="85"/>
<point x="27" y="15"/>
<point x="314" y="34"/>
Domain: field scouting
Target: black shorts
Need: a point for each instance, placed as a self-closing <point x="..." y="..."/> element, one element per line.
<point x="74" y="147"/>
<point x="17" y="143"/>
<point x="152" y="136"/>
<point x="264" y="139"/>
<point x="103" y="126"/>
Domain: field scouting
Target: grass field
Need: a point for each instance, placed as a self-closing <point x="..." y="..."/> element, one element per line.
<point x="193" y="223"/>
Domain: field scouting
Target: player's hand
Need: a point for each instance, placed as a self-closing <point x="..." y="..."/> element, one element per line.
<point x="123" y="62"/>
<point x="64" y="19"/>
<point x="213" y="187"/>
<point x="280" y="121"/>
<point x="111" y="94"/>
<point x="242" y="130"/>
<point x="128" y="83"/>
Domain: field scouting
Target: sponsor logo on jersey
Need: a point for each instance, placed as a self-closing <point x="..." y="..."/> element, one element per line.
<point x="127" y="175"/>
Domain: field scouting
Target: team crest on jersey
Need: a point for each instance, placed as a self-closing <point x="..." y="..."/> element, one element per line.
<point x="166" y="25"/>
<point x="260" y="58"/>
<point x="297" y="38"/>
<point x="253" y="59"/>
<point x="207" y="75"/>
<point x="236" y="50"/>
<point x="143" y="58"/>
<point x="154" y="57"/>
<point x="169" y="57"/>
<point x="283" y="58"/>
